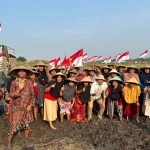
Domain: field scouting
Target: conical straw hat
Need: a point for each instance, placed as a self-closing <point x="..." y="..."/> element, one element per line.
<point x="71" y="79"/>
<point x="86" y="79"/>
<point x="114" y="71"/>
<point x="132" y="80"/>
<point x="116" y="79"/>
<point x="40" y="63"/>
<point x="15" y="70"/>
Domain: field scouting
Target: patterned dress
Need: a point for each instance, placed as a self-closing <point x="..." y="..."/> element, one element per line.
<point x="19" y="116"/>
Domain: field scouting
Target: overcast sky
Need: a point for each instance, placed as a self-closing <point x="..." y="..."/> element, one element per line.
<point x="47" y="29"/>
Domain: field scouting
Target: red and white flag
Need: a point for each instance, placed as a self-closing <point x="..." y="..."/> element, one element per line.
<point x="89" y="59"/>
<point x="1" y="56"/>
<point x="0" y="26"/>
<point x="65" y="62"/>
<point x="85" y="61"/>
<point x="52" y="62"/>
<point x="108" y="60"/>
<point x="118" y="56"/>
<point x="144" y="54"/>
<point x="77" y="58"/>
<point x="123" y="57"/>
<point x="104" y="60"/>
<point x="85" y="56"/>
<point x="99" y="58"/>
<point x="57" y="62"/>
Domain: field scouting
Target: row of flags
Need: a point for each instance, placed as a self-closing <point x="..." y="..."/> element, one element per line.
<point x="79" y="58"/>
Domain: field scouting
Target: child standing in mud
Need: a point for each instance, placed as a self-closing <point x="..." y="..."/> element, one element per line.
<point x="131" y="94"/>
<point x="115" y="98"/>
<point x="67" y="92"/>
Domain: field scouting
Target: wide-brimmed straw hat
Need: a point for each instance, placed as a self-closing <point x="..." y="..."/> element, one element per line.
<point x="134" y="67"/>
<point x="76" y="67"/>
<point x="37" y="74"/>
<point x="32" y="68"/>
<point x="71" y="79"/>
<point x="133" y="80"/>
<point x="86" y="79"/>
<point x="61" y="68"/>
<point x="92" y="69"/>
<point x="53" y="68"/>
<point x="105" y="67"/>
<point x="73" y="71"/>
<point x="40" y="63"/>
<point x="114" y="71"/>
<point x="110" y="64"/>
<point x="59" y="74"/>
<point x="100" y="77"/>
<point x="145" y="67"/>
<point x="115" y="79"/>
<point x="15" y="70"/>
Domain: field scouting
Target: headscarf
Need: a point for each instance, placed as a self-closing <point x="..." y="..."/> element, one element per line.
<point x="69" y="92"/>
<point x="43" y="77"/>
<point x="85" y="96"/>
<point x="56" y="90"/>
<point x="115" y="93"/>
<point x="144" y="77"/>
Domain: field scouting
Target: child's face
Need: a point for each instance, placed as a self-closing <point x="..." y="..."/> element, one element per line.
<point x="71" y="83"/>
<point x="115" y="83"/>
<point x="32" y="77"/>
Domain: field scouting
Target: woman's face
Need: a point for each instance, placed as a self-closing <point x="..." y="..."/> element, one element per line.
<point x="59" y="79"/>
<point x="85" y="84"/>
<point x="71" y="83"/>
<point x="121" y="69"/>
<point x="72" y="74"/>
<point x="41" y="68"/>
<point x="62" y="71"/>
<point x="131" y="70"/>
<point x="132" y="85"/>
<point x="53" y="72"/>
<point x="115" y="83"/>
<point x="147" y="70"/>
<point x="22" y="73"/>
<point x="106" y="70"/>
<point x="92" y="73"/>
<point x="32" y="77"/>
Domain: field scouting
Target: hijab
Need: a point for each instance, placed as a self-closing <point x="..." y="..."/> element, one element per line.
<point x="43" y="77"/>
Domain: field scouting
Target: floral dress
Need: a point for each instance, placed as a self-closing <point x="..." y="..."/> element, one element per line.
<point x="19" y="116"/>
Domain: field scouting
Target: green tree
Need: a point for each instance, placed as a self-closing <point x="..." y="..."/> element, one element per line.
<point x="21" y="58"/>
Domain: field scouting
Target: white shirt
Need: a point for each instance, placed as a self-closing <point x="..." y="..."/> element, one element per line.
<point x="97" y="88"/>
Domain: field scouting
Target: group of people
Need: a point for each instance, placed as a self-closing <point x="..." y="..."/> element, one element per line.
<point x="73" y="92"/>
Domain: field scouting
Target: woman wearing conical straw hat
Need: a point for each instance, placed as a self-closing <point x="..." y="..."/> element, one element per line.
<point x="131" y="92"/>
<point x="41" y="82"/>
<point x="51" y="95"/>
<point x="115" y="98"/>
<point x="68" y="92"/>
<point x="82" y="98"/>
<point x="21" y="102"/>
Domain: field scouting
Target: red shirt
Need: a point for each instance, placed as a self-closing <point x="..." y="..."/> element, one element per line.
<point x="49" y="96"/>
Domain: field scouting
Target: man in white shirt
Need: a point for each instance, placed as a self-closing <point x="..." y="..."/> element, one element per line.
<point x="98" y="93"/>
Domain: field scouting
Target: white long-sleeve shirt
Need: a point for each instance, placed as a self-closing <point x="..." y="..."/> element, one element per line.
<point x="97" y="88"/>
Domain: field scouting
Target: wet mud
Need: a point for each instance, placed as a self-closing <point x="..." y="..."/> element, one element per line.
<point x="97" y="134"/>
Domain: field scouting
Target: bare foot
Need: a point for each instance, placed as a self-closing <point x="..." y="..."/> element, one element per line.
<point x="127" y="119"/>
<point x="110" y="117"/>
<point x="53" y="128"/>
<point x="120" y="118"/>
<point x="137" y="120"/>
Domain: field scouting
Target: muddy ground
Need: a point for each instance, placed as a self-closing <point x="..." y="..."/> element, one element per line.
<point x="95" y="135"/>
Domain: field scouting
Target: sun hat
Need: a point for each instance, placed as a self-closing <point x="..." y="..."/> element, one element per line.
<point x="114" y="71"/>
<point x="59" y="74"/>
<point x="53" y="68"/>
<point x="133" y="80"/>
<point x="61" y="68"/>
<point x="105" y="67"/>
<point x="100" y="77"/>
<point x="145" y="67"/>
<point x="73" y="71"/>
<point x="71" y="79"/>
<point x="15" y="70"/>
<point x="121" y="66"/>
<point x="40" y="63"/>
<point x="86" y="79"/>
<point x="92" y="69"/>
<point x="115" y="79"/>
<point x="134" y="67"/>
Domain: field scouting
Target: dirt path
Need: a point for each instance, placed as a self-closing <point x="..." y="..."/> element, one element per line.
<point x="95" y="135"/>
